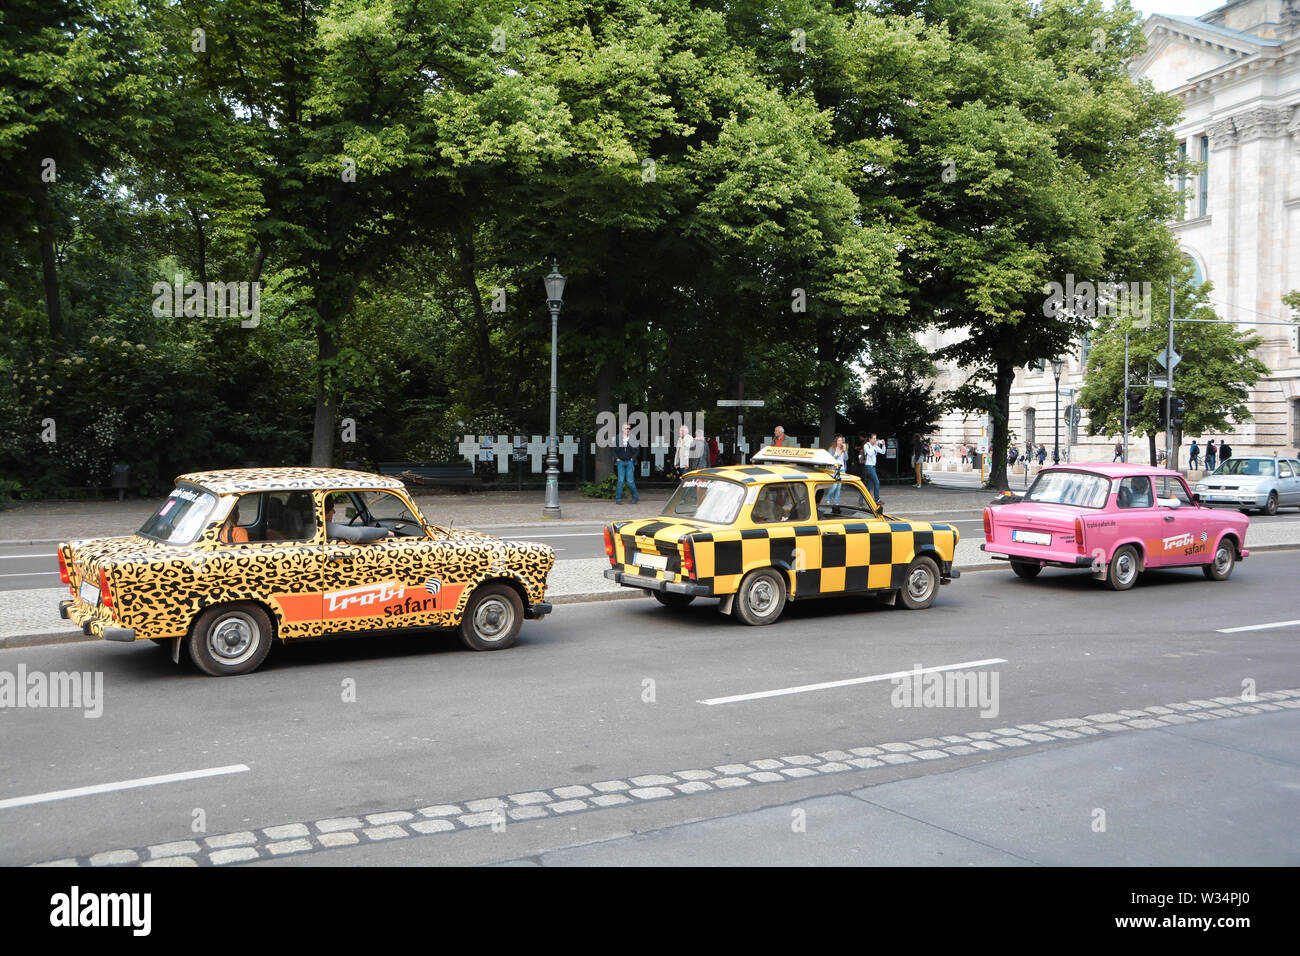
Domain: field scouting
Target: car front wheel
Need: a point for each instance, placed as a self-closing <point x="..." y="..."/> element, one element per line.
<point x="921" y="584"/>
<point x="761" y="597"/>
<point x="492" y="618"/>
<point x="231" y="639"/>
<point x="1270" y="506"/>
<point x="1225" y="559"/>
<point x="1123" y="573"/>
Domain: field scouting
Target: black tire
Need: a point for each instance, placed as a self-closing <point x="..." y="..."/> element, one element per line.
<point x="921" y="584"/>
<point x="761" y="597"/>
<point x="1270" y="506"/>
<point x="1225" y="559"/>
<point x="1026" y="569"/>
<point x="1124" y="568"/>
<point x="672" y="599"/>
<point x="492" y="618"/>
<point x="230" y="639"/>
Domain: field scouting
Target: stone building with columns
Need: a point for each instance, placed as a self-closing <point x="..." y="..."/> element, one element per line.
<point x="1236" y="70"/>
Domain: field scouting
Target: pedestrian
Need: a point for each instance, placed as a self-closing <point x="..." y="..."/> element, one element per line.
<point x="779" y="440"/>
<point x="840" y="452"/>
<point x="1211" y="453"/>
<point x="962" y="449"/>
<point x="1012" y="454"/>
<point x="1193" y="455"/>
<point x="1042" y="455"/>
<point x="699" y="451"/>
<point x="918" y="456"/>
<point x="1225" y="451"/>
<point x="938" y="452"/>
<point x="625" y="459"/>
<point x="870" y="448"/>
<point x="682" y="455"/>
<point x="1119" y="450"/>
<point x="715" y="449"/>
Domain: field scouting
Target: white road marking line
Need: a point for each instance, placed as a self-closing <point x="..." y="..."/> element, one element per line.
<point x="1256" y="627"/>
<point x="16" y="557"/>
<point x="121" y="785"/>
<point x="804" y="688"/>
<point x="27" y="574"/>
<point x="584" y="534"/>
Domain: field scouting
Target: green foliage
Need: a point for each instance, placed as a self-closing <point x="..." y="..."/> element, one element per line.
<point x="600" y="489"/>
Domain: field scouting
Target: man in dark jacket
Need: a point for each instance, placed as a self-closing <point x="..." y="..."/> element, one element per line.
<point x="1225" y="451"/>
<point x="625" y="457"/>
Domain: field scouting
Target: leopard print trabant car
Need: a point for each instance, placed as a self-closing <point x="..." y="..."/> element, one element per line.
<point x="236" y="558"/>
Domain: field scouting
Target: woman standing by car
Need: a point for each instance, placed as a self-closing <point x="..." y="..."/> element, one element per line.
<point x="841" y="454"/>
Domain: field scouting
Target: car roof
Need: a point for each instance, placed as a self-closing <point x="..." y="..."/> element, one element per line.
<point x="233" y="480"/>
<point x="762" y="474"/>
<point x="1117" y="470"/>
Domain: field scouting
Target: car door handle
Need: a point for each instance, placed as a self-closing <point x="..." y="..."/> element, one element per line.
<point x="1169" y="517"/>
<point x="339" y="557"/>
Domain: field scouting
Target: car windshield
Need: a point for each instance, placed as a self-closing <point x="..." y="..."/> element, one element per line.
<point x="1080" y="488"/>
<point x="1253" y="467"/>
<point x="182" y="516"/>
<point x="706" y="499"/>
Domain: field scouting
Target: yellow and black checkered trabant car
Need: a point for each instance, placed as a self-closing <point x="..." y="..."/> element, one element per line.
<point x="789" y="526"/>
<point x="233" y="560"/>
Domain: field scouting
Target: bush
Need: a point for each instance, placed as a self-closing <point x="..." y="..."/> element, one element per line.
<point x="602" y="489"/>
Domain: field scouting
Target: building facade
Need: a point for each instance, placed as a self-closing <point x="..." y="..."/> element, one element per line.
<point x="1236" y="71"/>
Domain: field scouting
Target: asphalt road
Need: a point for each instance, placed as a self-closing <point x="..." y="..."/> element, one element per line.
<point x="609" y="691"/>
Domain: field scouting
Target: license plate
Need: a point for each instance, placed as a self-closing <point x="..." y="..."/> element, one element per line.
<point x="89" y="593"/>
<point x="1031" y="537"/>
<point x="657" y="561"/>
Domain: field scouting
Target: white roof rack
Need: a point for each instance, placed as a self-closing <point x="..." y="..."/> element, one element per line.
<point x="816" y="457"/>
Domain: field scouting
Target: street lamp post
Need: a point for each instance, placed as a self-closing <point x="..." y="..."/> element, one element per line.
<point x="1056" y="419"/>
<point x="554" y="300"/>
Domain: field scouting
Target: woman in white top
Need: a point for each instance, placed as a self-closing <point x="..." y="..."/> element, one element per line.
<point x="682" y="456"/>
<point x="841" y="454"/>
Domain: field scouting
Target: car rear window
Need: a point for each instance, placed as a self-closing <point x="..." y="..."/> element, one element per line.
<point x="1082" y="489"/>
<point x="182" y="517"/>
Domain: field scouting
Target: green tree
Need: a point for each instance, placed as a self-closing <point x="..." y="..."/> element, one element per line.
<point x="1213" y="377"/>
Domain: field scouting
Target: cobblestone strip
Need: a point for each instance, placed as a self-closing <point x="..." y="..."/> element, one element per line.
<point x="497" y="812"/>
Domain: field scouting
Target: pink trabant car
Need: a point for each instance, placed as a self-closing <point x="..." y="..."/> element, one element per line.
<point x="1117" y="521"/>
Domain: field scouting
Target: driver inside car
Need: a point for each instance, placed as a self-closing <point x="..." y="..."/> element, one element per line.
<point x="343" y="532"/>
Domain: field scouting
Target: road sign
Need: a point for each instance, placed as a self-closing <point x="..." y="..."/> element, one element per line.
<point x="1160" y="383"/>
<point x="745" y="403"/>
<point x="1163" y="359"/>
<point x="1067" y="392"/>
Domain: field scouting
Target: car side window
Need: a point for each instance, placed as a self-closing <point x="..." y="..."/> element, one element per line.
<point x="852" y="503"/>
<point x="1169" y="489"/>
<point x="1135" y="493"/>
<point x="1283" y="470"/>
<point x="785" y="502"/>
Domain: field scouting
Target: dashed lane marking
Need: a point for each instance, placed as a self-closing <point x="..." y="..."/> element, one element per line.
<point x="120" y="785"/>
<point x="1256" y="627"/>
<point x="493" y="813"/>
<point x="805" y="688"/>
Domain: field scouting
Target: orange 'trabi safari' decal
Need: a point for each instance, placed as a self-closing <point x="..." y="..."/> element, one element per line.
<point x="387" y="599"/>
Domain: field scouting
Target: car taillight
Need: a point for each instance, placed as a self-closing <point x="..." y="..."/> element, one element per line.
<point x="105" y="595"/>
<point x="63" y="569"/>
<point x="609" y="545"/>
<point x="1078" y="536"/>
<point x="988" y="524"/>
<point x="688" y="559"/>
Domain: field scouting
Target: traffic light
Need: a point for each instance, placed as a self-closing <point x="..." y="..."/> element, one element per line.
<point x="1179" y="412"/>
<point x="1134" y="404"/>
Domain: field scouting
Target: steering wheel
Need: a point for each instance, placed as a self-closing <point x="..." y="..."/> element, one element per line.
<point x="353" y="519"/>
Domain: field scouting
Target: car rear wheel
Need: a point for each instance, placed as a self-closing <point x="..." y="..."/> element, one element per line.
<point x="1123" y="572"/>
<point x="492" y="618"/>
<point x="672" y="599"/>
<point x="761" y="597"/>
<point x="1270" y="506"/>
<point x="1026" y="569"/>
<point x="230" y="639"/>
<point x="921" y="584"/>
<point x="1225" y="559"/>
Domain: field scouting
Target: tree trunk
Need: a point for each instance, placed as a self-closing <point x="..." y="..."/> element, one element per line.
<point x="49" y="265"/>
<point x="828" y="400"/>
<point x="202" y="248"/>
<point x="1003" y="378"/>
<point x="322" y="440"/>
<point x="605" y="400"/>
<point x="1151" y="447"/>
<point x="482" y="333"/>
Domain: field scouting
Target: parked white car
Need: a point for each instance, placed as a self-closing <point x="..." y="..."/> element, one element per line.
<point x="1252" y="484"/>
